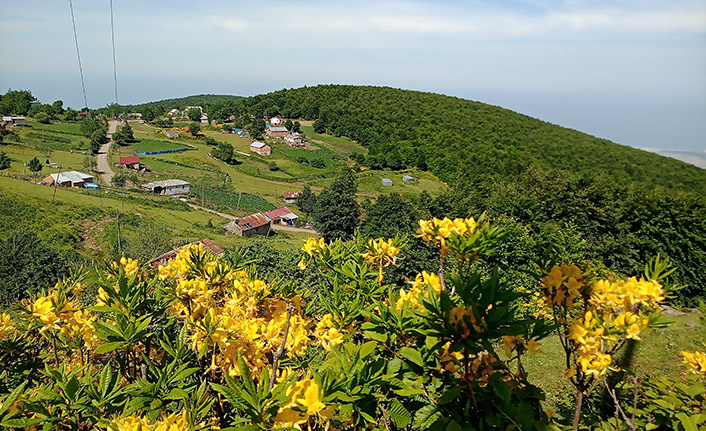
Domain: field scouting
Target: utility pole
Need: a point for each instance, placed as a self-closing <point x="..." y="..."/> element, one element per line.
<point x="24" y="173"/>
<point x="56" y="183"/>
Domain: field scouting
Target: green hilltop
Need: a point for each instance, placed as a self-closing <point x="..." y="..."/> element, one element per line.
<point x="451" y="136"/>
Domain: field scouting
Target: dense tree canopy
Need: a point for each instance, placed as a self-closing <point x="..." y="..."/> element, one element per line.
<point x="336" y="211"/>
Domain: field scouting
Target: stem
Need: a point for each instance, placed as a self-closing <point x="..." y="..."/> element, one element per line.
<point x="56" y="355"/>
<point x="577" y="408"/>
<point x="280" y="351"/>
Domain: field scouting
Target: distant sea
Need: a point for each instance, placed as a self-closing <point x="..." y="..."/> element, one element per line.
<point x="696" y="158"/>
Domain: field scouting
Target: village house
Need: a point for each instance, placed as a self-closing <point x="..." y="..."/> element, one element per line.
<point x="254" y="224"/>
<point x="14" y="120"/>
<point x="173" y="112"/>
<point x="275" y="121"/>
<point x="167" y="187"/>
<point x="171" y="134"/>
<point x="290" y="197"/>
<point x="204" y="119"/>
<point x="166" y="257"/>
<point x="409" y="179"/>
<point x="386" y="182"/>
<point x="294" y="140"/>
<point x="282" y="215"/>
<point x="132" y="162"/>
<point x="261" y="148"/>
<point x="276" y="132"/>
<point x="68" y="179"/>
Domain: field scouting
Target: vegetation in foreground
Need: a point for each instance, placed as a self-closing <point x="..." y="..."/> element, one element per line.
<point x="204" y="343"/>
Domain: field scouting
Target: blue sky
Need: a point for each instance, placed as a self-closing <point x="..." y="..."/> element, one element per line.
<point x="632" y="71"/>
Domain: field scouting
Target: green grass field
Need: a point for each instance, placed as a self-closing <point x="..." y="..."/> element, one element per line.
<point x="656" y="355"/>
<point x="149" y="144"/>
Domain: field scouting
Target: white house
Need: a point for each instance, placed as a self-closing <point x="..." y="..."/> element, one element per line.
<point x="276" y="121"/>
<point x="167" y="187"/>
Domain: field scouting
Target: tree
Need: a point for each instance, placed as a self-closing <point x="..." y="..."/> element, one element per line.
<point x="306" y="201"/>
<point x="124" y="135"/>
<point x="391" y="215"/>
<point x="89" y="126"/>
<point x="319" y="126"/>
<point x="43" y="117"/>
<point x="224" y="152"/>
<point x="194" y="128"/>
<point x="194" y="114"/>
<point x="97" y="140"/>
<point x="336" y="212"/>
<point x="289" y="125"/>
<point x="70" y="114"/>
<point x="16" y="102"/>
<point x="148" y="114"/>
<point x="296" y="127"/>
<point x="58" y="106"/>
<point x="35" y="165"/>
<point x="257" y="128"/>
<point x="4" y="161"/>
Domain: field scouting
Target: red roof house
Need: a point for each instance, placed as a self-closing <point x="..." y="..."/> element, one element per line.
<point x="282" y="215"/>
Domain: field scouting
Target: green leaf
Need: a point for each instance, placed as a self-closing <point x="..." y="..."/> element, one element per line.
<point x="449" y="395"/>
<point x="453" y="426"/>
<point x="176" y="394"/>
<point x="14" y="395"/>
<point x="426" y="416"/>
<point x="688" y="422"/>
<point x="105" y="379"/>
<point x="399" y="414"/>
<point x="109" y="347"/>
<point x="412" y="355"/>
<point x="376" y="336"/>
<point x="695" y="390"/>
<point x="366" y="349"/>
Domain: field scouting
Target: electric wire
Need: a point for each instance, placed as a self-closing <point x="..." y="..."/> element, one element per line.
<point x="78" y="54"/>
<point x="115" y="68"/>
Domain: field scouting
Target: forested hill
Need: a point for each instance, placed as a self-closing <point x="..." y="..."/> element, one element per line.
<point x="195" y="100"/>
<point x="449" y="136"/>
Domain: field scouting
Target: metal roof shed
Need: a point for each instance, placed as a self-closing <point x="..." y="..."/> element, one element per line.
<point x="386" y="182"/>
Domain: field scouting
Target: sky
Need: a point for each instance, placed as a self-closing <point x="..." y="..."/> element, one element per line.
<point x="631" y="71"/>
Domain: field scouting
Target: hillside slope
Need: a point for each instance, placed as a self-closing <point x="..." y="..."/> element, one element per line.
<point x="449" y="136"/>
<point x="194" y="100"/>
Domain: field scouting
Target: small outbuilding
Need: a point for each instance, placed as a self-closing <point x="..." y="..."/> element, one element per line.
<point x="290" y="197"/>
<point x="167" y="187"/>
<point x="409" y="179"/>
<point x="282" y="215"/>
<point x="275" y="121"/>
<point x="171" y="134"/>
<point x="132" y="162"/>
<point x="386" y="182"/>
<point x="254" y="224"/>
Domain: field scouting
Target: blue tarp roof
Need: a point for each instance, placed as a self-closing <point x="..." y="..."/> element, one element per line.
<point x="91" y="186"/>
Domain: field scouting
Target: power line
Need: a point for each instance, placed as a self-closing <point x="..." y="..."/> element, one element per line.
<point x="115" y="69"/>
<point x="78" y="54"/>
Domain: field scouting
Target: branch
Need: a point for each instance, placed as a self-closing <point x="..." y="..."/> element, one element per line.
<point x="280" y="351"/>
<point x="618" y="409"/>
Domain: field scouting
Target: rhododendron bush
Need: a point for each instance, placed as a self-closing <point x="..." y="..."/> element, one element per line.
<point x="202" y="343"/>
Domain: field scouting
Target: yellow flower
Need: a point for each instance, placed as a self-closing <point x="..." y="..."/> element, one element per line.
<point x="6" y="325"/>
<point x="695" y="361"/>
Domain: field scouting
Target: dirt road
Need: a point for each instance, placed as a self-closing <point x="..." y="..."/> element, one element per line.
<point x="274" y="226"/>
<point x="102" y="158"/>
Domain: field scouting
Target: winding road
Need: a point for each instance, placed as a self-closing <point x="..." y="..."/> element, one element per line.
<point x="104" y="169"/>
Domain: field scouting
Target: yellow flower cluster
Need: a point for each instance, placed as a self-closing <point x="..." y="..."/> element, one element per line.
<point x="629" y="294"/>
<point x="516" y="343"/>
<point x="327" y="334"/>
<point x="305" y="401"/>
<point x="381" y="254"/>
<point x="439" y="231"/>
<point x="534" y="304"/>
<point x="6" y="326"/>
<point x="129" y="266"/>
<point x="464" y="319"/>
<point x="562" y="285"/>
<point x="57" y="314"/>
<point x="450" y="361"/>
<point x="419" y="290"/>
<point x="481" y="368"/>
<point x="231" y="315"/>
<point x="695" y="361"/>
<point x="173" y="422"/>
<point x="311" y="248"/>
<point x="588" y="336"/>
